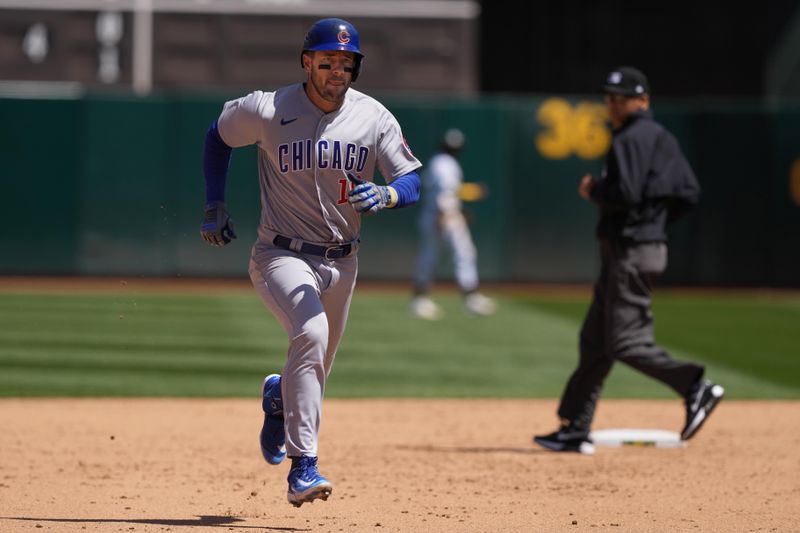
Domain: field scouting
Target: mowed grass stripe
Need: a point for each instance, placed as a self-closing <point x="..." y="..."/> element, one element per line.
<point x="102" y="382"/>
<point x="131" y="360"/>
<point x="178" y="345"/>
<point x="159" y="323"/>
<point x="754" y="335"/>
<point x="110" y="342"/>
<point x="519" y="352"/>
<point x="58" y="306"/>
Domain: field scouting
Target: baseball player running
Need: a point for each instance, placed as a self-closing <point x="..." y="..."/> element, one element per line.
<point x="319" y="145"/>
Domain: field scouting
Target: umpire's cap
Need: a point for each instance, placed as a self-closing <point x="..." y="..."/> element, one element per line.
<point x="334" y="34"/>
<point x="627" y="81"/>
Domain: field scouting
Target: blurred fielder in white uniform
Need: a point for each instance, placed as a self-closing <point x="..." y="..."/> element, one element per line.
<point x="319" y="146"/>
<point x="441" y="219"/>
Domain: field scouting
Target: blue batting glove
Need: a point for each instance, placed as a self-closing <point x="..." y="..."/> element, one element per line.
<point x="368" y="198"/>
<point x="217" y="228"/>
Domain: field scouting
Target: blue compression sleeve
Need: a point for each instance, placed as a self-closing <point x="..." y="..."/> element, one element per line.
<point x="407" y="187"/>
<point x="216" y="160"/>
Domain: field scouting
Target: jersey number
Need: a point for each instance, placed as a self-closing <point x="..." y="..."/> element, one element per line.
<point x="343" y="183"/>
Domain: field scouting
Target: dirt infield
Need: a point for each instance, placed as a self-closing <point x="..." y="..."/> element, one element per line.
<point x="153" y="465"/>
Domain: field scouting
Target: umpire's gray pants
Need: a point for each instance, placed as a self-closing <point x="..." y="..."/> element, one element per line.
<point x="619" y="325"/>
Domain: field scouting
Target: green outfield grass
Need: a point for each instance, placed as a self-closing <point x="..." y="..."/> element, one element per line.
<point x="221" y="344"/>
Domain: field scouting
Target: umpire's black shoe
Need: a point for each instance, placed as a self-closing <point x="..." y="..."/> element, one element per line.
<point x="567" y="439"/>
<point x="702" y="399"/>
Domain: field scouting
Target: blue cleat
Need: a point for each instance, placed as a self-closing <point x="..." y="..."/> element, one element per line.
<point x="306" y="484"/>
<point x="273" y="434"/>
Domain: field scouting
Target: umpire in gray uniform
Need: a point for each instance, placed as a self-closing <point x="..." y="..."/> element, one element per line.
<point x="646" y="183"/>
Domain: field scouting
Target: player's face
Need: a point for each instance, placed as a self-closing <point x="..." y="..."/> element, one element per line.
<point x="330" y="73"/>
<point x="621" y="107"/>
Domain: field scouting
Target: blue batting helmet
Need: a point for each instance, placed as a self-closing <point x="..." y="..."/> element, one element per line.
<point x="334" y="34"/>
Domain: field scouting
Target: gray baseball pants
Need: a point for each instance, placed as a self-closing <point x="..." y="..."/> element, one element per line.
<point x="619" y="326"/>
<point x="310" y="296"/>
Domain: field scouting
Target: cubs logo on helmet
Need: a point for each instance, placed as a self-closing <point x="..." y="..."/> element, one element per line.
<point x="334" y="34"/>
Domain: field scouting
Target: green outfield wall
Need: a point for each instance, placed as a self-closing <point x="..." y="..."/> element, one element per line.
<point x="112" y="185"/>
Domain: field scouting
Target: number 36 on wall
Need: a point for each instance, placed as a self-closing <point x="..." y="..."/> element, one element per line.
<point x="580" y="130"/>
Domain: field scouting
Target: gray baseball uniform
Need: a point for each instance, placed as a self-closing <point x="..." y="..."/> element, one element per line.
<point x="303" y="159"/>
